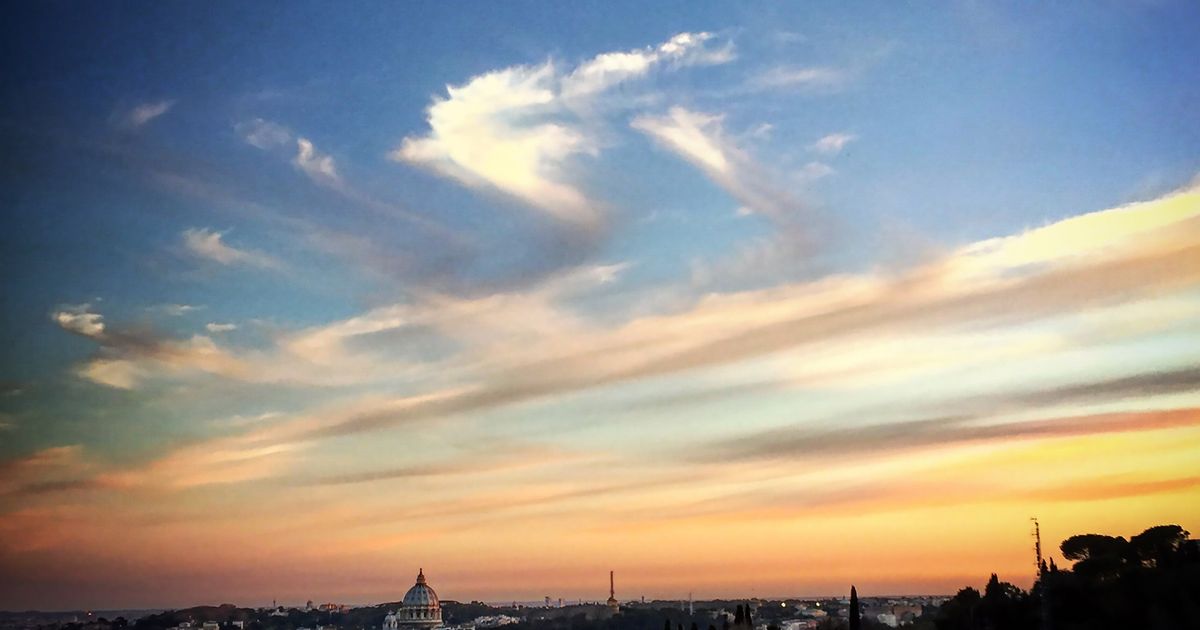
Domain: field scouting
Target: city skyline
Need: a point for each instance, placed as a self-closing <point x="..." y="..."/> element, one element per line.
<point x="739" y="300"/>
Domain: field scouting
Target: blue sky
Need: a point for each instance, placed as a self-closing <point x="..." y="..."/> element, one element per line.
<point x="245" y="242"/>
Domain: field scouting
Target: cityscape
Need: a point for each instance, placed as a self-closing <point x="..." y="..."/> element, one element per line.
<point x="599" y="315"/>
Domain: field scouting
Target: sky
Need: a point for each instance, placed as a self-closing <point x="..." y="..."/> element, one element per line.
<point x="753" y="299"/>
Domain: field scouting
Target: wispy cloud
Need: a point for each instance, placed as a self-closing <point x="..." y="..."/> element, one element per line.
<point x="264" y="134"/>
<point x="318" y="166"/>
<point x="178" y="310"/>
<point x="210" y="245"/>
<point x="701" y="140"/>
<point x="215" y="327"/>
<point x="146" y="112"/>
<point x="833" y="143"/>
<point x="812" y="78"/>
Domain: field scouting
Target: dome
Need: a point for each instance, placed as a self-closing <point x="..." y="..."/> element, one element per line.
<point x="421" y="594"/>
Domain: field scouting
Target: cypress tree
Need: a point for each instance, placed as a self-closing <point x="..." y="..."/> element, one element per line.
<point x="855" y="615"/>
<point x="740" y="616"/>
<point x="749" y="619"/>
<point x="667" y="624"/>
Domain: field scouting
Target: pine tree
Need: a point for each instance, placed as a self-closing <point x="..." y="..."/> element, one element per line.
<point x="855" y="615"/>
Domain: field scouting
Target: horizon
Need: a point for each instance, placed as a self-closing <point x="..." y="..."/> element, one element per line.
<point x="727" y="299"/>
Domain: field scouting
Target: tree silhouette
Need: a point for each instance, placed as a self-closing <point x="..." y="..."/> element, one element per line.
<point x="855" y="614"/>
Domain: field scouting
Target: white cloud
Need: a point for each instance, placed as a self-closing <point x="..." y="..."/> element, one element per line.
<point x="80" y="320"/>
<point x="814" y="171"/>
<point x="264" y="134"/>
<point x="701" y="140"/>
<point x="208" y="244"/>
<point x="813" y="78"/>
<point x="177" y="310"/>
<point x="514" y="129"/>
<point x="318" y="166"/>
<point x="608" y="69"/>
<point x="214" y="327"/>
<point x="115" y="373"/>
<point x="694" y="136"/>
<point x="833" y="143"/>
<point x="146" y="112"/>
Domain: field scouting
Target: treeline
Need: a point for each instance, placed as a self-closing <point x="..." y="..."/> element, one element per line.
<point x="1149" y="581"/>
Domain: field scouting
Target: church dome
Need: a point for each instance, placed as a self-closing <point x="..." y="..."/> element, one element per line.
<point x="421" y="594"/>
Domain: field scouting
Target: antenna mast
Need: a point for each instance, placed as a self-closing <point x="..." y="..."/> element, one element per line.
<point x="1037" y="545"/>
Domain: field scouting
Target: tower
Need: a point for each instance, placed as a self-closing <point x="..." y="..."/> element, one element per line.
<point x="1037" y="546"/>
<point x="613" y="605"/>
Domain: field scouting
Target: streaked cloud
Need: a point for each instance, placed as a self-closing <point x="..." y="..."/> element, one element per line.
<point x="146" y="112"/>
<point x="216" y="327"/>
<point x="814" y="78"/>
<point x="833" y="143"/>
<point x="210" y="245"/>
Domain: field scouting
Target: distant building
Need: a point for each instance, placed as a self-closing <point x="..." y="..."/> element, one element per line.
<point x="420" y="609"/>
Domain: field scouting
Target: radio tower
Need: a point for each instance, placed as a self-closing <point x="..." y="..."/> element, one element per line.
<point x="1037" y="545"/>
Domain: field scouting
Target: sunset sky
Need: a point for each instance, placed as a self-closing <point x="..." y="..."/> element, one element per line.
<point x="735" y="299"/>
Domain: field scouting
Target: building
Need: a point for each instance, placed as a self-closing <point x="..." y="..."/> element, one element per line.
<point x="420" y="609"/>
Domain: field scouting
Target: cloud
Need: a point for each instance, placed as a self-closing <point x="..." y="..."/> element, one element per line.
<point x="55" y="465"/>
<point x="609" y="69"/>
<point x="214" y="327"/>
<point x="264" y="134"/>
<point x="209" y="245"/>
<point x="814" y="78"/>
<point x="802" y="442"/>
<point x="115" y="373"/>
<point x="833" y="143"/>
<point x="514" y="129"/>
<point x="973" y="288"/>
<point x="126" y="358"/>
<point x="813" y="171"/>
<point x="464" y="464"/>
<point x="80" y="320"/>
<point x="701" y="140"/>
<point x="146" y="112"/>
<point x="178" y="310"/>
<point x="318" y="166"/>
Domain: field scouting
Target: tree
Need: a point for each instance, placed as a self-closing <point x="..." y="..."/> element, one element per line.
<point x="739" y="617"/>
<point x="855" y="614"/>
<point x="667" y="624"/>
<point x="749" y="618"/>
<point x="1158" y="545"/>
